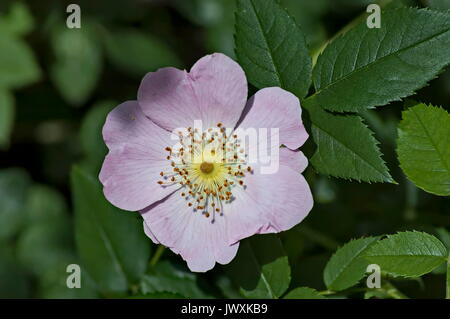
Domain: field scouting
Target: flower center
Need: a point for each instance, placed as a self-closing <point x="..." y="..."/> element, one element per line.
<point x="208" y="166"/>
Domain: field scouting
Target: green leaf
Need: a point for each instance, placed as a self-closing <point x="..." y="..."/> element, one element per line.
<point x="18" y="21"/>
<point x="13" y="280"/>
<point x="424" y="148"/>
<point x="261" y="267"/>
<point x="111" y="243"/>
<point x="53" y="283"/>
<point x="346" y="267"/>
<point x="304" y="293"/>
<point x="202" y="12"/>
<point x="14" y="187"/>
<point x="164" y="277"/>
<point x="271" y="47"/>
<point x="47" y="237"/>
<point x="366" y="67"/>
<point x="227" y="288"/>
<point x="346" y="148"/>
<point x="18" y="66"/>
<point x="44" y="245"/>
<point x="7" y="111"/>
<point x="439" y="4"/>
<point x="376" y="294"/>
<point x="91" y="137"/>
<point x="407" y="254"/>
<point x="45" y="205"/>
<point x="444" y="236"/>
<point x="78" y="63"/>
<point x="137" y="53"/>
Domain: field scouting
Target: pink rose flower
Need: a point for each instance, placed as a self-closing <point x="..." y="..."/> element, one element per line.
<point x="198" y="192"/>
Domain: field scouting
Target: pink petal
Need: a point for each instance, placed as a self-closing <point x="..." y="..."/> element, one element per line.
<point x="268" y="204"/>
<point x="275" y="202"/>
<point x="214" y="91"/>
<point x="296" y="160"/>
<point x="167" y="97"/>
<point x="221" y="87"/>
<point x="199" y="241"/>
<point x="136" y="157"/>
<point x="276" y="108"/>
<point x="149" y="234"/>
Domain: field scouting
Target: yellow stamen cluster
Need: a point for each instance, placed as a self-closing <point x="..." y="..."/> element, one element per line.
<point x="208" y="165"/>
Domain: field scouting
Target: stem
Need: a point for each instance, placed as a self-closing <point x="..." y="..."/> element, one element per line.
<point x="343" y="292"/>
<point x="411" y="201"/>
<point x="393" y="292"/>
<point x="318" y="238"/>
<point x="157" y="255"/>
<point x="326" y="292"/>
<point x="447" y="296"/>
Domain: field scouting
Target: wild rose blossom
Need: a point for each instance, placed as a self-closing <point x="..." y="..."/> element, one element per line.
<point x="197" y="190"/>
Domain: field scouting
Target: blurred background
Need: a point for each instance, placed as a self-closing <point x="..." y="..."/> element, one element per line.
<point x="57" y="85"/>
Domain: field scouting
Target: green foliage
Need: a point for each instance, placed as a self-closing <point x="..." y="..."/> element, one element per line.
<point x="43" y="245"/>
<point x="18" y="66"/>
<point x="52" y="284"/>
<point x="78" y="62"/>
<point x="91" y="137"/>
<point x="271" y="47"/>
<point x="308" y="14"/>
<point x="369" y="67"/>
<point x="6" y="117"/>
<point x="13" y="280"/>
<point x="201" y="12"/>
<point x="261" y="268"/>
<point x="304" y="293"/>
<point x="165" y="278"/>
<point x="217" y="16"/>
<point x="18" y="21"/>
<point x="137" y="53"/>
<point x="219" y="37"/>
<point x="439" y="4"/>
<point x="227" y="288"/>
<point x="14" y="187"/>
<point x="346" y="267"/>
<point x="46" y="238"/>
<point x="444" y="236"/>
<point x="45" y="205"/>
<point x="346" y="148"/>
<point x="407" y="254"/>
<point x="360" y="68"/>
<point x="111" y="243"/>
<point x="424" y="148"/>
